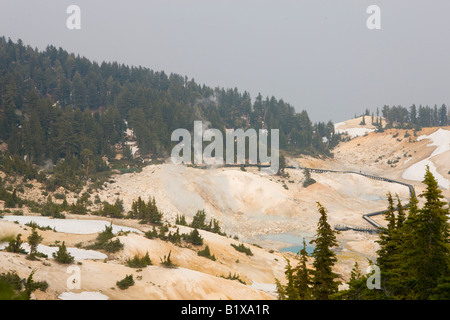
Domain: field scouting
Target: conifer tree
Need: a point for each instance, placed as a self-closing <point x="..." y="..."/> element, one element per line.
<point x="405" y="271"/>
<point x="62" y="255"/>
<point x="15" y="245"/>
<point x="386" y="240"/>
<point x="429" y="256"/>
<point x="391" y="253"/>
<point x="302" y="279"/>
<point x="356" y="285"/>
<point x="199" y="220"/>
<point x="290" y="291"/>
<point x="324" y="280"/>
<point x="195" y="238"/>
<point x="33" y="240"/>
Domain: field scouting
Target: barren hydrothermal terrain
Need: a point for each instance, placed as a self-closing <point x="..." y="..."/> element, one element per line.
<point x="267" y="213"/>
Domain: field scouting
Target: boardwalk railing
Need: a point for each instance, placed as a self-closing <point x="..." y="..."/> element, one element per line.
<point x="366" y="216"/>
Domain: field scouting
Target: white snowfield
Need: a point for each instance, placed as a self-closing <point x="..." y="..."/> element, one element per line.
<point x="85" y="295"/>
<point x="416" y="172"/>
<point x="266" y="287"/>
<point x="352" y="132"/>
<point x="78" y="254"/>
<point x="74" y="226"/>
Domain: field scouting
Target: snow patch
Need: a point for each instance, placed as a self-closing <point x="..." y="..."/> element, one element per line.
<point x="85" y="295"/>
<point x="355" y="132"/>
<point x="266" y="287"/>
<point x="416" y="172"/>
<point x="74" y="226"/>
<point x="78" y="254"/>
<point x="352" y="132"/>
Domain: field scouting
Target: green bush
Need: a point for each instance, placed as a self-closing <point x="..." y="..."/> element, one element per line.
<point x="199" y="222"/>
<point x="12" y="287"/>
<point x="59" y="196"/>
<point x="195" y="238"/>
<point x="206" y="253"/>
<point x="126" y="282"/>
<point x="62" y="255"/>
<point x="105" y="242"/>
<point x="167" y="262"/>
<point x="14" y="246"/>
<point x="181" y="220"/>
<point x="152" y="234"/>
<point x="234" y="277"/>
<point x="112" y="246"/>
<point x="308" y="180"/>
<point x="242" y="248"/>
<point x="138" y="262"/>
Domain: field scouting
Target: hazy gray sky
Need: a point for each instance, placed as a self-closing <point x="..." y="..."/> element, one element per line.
<point x="316" y="55"/>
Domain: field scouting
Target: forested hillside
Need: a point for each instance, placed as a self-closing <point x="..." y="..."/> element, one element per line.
<point x="55" y="105"/>
<point x="415" y="117"/>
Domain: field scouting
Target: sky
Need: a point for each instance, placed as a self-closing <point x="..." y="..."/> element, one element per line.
<point x="317" y="55"/>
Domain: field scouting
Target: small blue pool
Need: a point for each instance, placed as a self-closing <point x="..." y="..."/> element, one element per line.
<point x="294" y="242"/>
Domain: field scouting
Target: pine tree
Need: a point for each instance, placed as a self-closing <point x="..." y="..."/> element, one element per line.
<point x="195" y="238"/>
<point x="386" y="241"/>
<point x="356" y="286"/>
<point x="290" y="291"/>
<point x="429" y="256"/>
<point x="324" y="279"/>
<point x="199" y="220"/>
<point x="34" y="239"/>
<point x="405" y="271"/>
<point x="62" y="255"/>
<point x="392" y="273"/>
<point x="15" y="245"/>
<point x="181" y="220"/>
<point x="302" y="279"/>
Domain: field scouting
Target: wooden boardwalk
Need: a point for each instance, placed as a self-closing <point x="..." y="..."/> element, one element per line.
<point x="366" y="217"/>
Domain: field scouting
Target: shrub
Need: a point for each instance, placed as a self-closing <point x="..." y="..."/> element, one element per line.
<point x="151" y="234"/>
<point x="167" y="262"/>
<point x="33" y="239"/>
<point x="174" y="237"/>
<point x="181" y="220"/>
<point x="63" y="256"/>
<point x="12" y="287"/>
<point x="50" y="209"/>
<point x="14" y="246"/>
<point x="146" y="212"/>
<point x="126" y="282"/>
<point x="199" y="222"/>
<point x="195" y="238"/>
<point x="59" y="196"/>
<point x="308" y="180"/>
<point x="34" y="225"/>
<point x="206" y="253"/>
<point x="112" y="246"/>
<point x="105" y="242"/>
<point x="234" y="277"/>
<point x="112" y="210"/>
<point x="138" y="262"/>
<point x="242" y="248"/>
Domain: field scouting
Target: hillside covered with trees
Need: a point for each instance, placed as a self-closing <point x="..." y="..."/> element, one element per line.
<point x="57" y="106"/>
